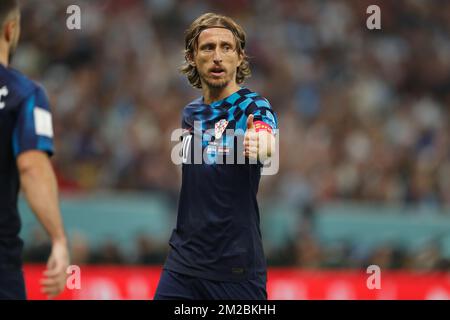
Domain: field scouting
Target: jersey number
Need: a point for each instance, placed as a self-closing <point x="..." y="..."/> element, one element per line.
<point x="3" y="93"/>
<point x="185" y="148"/>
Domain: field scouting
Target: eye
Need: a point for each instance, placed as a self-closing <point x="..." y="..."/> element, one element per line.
<point x="208" y="47"/>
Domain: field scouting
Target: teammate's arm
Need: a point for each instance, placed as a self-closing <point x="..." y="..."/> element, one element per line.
<point x="40" y="188"/>
<point x="32" y="144"/>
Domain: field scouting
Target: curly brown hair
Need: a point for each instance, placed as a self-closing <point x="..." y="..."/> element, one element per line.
<point x="207" y="21"/>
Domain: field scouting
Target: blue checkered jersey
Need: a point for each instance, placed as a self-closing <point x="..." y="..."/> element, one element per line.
<point x="25" y="124"/>
<point x="217" y="235"/>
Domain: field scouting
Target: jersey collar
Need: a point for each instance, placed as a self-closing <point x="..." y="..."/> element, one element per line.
<point x="230" y="100"/>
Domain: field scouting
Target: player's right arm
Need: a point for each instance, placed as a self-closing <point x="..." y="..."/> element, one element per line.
<point x="32" y="144"/>
<point x="259" y="139"/>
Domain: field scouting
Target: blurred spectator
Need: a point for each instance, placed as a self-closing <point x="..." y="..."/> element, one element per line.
<point x="430" y="258"/>
<point x="38" y="250"/>
<point x="149" y="251"/>
<point x="309" y="254"/>
<point x="108" y="253"/>
<point x="79" y="249"/>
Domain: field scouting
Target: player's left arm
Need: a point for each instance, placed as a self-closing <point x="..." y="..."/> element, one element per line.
<point x="259" y="140"/>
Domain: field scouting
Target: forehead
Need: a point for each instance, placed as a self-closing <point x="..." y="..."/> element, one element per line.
<point x="215" y="34"/>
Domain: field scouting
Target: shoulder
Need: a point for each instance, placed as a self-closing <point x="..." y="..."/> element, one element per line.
<point x="192" y="106"/>
<point x="253" y="100"/>
<point x="260" y="107"/>
<point x="194" y="103"/>
<point x="18" y="82"/>
<point x="19" y="86"/>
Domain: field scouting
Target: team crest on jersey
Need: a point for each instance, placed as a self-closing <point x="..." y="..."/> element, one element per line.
<point x="220" y="128"/>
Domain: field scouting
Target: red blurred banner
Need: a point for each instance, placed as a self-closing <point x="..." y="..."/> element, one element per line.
<point x="122" y="283"/>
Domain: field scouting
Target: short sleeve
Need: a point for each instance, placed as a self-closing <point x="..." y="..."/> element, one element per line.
<point x="34" y="126"/>
<point x="262" y="111"/>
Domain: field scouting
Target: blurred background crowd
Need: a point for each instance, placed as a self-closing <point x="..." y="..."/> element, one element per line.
<point x="304" y="251"/>
<point x="364" y="114"/>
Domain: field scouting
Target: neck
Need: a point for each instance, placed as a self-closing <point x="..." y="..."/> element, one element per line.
<point x="211" y="95"/>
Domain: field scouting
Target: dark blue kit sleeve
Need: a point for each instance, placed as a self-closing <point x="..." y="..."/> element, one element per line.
<point x="34" y="127"/>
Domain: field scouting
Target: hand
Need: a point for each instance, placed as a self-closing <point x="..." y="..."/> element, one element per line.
<point x="251" y="141"/>
<point x="55" y="276"/>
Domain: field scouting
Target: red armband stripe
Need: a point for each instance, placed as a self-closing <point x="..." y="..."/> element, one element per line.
<point x="262" y="126"/>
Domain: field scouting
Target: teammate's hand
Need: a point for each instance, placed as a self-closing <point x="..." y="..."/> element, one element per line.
<point x="251" y="145"/>
<point x="55" y="276"/>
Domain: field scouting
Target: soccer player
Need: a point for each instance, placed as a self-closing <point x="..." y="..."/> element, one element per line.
<point x="25" y="145"/>
<point x="216" y="249"/>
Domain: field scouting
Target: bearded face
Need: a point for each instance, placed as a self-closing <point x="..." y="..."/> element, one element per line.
<point x="217" y="59"/>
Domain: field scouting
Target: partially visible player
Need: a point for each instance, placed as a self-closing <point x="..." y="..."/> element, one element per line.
<point x="216" y="248"/>
<point x="26" y="142"/>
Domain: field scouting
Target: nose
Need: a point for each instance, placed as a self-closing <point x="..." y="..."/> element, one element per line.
<point x="217" y="55"/>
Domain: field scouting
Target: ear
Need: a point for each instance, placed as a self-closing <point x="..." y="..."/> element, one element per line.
<point x="8" y="31"/>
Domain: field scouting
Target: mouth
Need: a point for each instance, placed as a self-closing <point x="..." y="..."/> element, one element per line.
<point x="217" y="72"/>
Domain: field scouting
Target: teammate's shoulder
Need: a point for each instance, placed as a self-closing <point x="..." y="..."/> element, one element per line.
<point x="19" y="86"/>
<point x="254" y="99"/>
<point x="17" y="80"/>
